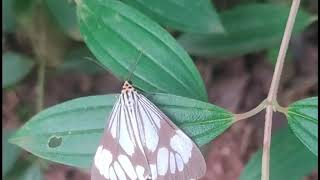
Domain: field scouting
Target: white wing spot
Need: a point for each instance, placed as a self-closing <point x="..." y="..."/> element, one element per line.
<point x="153" y="169"/>
<point x="124" y="139"/>
<point x="162" y="161"/>
<point x="172" y="163"/>
<point x="155" y="117"/>
<point x="113" y="175"/>
<point x="127" y="166"/>
<point x="140" y="170"/>
<point x="119" y="171"/>
<point x="114" y="123"/>
<point x="151" y="136"/>
<point x="182" y="145"/>
<point x="102" y="161"/>
<point x="179" y="162"/>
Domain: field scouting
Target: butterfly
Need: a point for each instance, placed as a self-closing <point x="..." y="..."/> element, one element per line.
<point x="140" y="142"/>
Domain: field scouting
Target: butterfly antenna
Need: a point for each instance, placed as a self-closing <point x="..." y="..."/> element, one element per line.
<point x="96" y="62"/>
<point x="135" y="65"/>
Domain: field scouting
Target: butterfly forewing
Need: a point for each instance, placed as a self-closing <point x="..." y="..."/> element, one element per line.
<point x="120" y="154"/>
<point x="140" y="142"/>
<point x="175" y="156"/>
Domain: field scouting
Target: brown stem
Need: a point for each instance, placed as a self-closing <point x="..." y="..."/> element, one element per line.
<point x="254" y="111"/>
<point x="272" y="96"/>
<point x="40" y="85"/>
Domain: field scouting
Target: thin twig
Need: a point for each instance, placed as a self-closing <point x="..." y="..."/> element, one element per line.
<point x="254" y="111"/>
<point x="40" y="85"/>
<point x="272" y="96"/>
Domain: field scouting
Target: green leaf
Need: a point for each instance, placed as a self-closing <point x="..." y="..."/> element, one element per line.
<point x="32" y="173"/>
<point x="14" y="68"/>
<point x="70" y="132"/>
<point x="249" y="28"/>
<point x="188" y="15"/>
<point x="24" y="10"/>
<point x="80" y="59"/>
<point x="65" y="14"/>
<point x="10" y="153"/>
<point x="289" y="159"/>
<point x="303" y="120"/>
<point x="8" y="18"/>
<point x="272" y="55"/>
<point x="126" y="42"/>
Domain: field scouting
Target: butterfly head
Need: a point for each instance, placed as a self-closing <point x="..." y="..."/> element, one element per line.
<point x="127" y="87"/>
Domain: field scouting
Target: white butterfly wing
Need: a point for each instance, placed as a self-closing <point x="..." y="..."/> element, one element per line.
<point x="120" y="155"/>
<point x="170" y="153"/>
<point x="141" y="143"/>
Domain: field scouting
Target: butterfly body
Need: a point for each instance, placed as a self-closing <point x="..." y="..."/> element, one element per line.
<point x="140" y="142"/>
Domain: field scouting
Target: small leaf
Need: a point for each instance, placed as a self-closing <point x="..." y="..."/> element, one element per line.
<point x="80" y="123"/>
<point x="8" y="18"/>
<point x="289" y="159"/>
<point x="80" y="59"/>
<point x="249" y="28"/>
<point x="14" y="68"/>
<point x="65" y="14"/>
<point x="188" y="15"/>
<point x="32" y="173"/>
<point x="303" y="120"/>
<point x="10" y="153"/>
<point x="126" y="41"/>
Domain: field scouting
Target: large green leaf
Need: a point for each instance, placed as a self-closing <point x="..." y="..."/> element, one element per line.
<point x="289" y="159"/>
<point x="69" y="133"/>
<point x="65" y="14"/>
<point x="249" y="28"/>
<point x="189" y="15"/>
<point x="14" y="68"/>
<point x="117" y="34"/>
<point x="10" y="152"/>
<point x="303" y="120"/>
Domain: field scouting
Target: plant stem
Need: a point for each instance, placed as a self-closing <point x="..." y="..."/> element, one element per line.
<point x="272" y="96"/>
<point x="40" y="85"/>
<point x="254" y="111"/>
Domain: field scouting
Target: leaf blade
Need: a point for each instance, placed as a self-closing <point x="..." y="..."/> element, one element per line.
<point x="249" y="28"/>
<point x="116" y="34"/>
<point x="15" y="68"/>
<point x="303" y="120"/>
<point x="83" y="124"/>
<point x="188" y="16"/>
